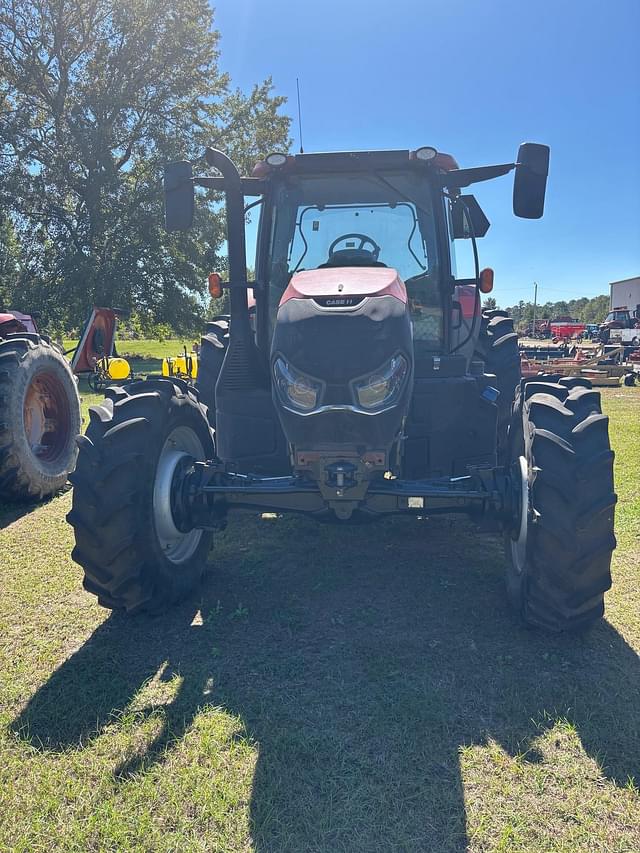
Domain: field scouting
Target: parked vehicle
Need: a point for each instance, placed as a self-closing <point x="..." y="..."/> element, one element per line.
<point x="39" y="411"/>
<point x="621" y="318"/>
<point x="566" y="329"/>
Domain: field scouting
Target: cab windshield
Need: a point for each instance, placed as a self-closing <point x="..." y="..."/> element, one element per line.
<point x="615" y="315"/>
<point x="378" y="219"/>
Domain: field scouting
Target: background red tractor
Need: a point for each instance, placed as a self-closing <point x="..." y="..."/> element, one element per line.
<point x="39" y="403"/>
<point x="39" y="411"/>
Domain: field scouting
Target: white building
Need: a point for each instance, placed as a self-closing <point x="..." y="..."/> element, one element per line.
<point x="625" y="294"/>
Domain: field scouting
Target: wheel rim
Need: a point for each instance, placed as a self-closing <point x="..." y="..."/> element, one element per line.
<point x="181" y="444"/>
<point x="46" y="417"/>
<point x="519" y="538"/>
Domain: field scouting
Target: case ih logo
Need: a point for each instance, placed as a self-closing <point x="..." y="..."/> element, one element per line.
<point x="339" y="301"/>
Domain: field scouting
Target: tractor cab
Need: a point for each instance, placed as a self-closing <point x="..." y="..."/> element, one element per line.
<point x="355" y="286"/>
<point x="318" y="219"/>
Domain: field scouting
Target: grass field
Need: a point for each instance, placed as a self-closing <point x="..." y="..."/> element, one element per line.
<point x="328" y="689"/>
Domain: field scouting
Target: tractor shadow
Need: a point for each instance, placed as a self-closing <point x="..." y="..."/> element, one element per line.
<point x="360" y="660"/>
<point x="15" y="510"/>
<point x="10" y="512"/>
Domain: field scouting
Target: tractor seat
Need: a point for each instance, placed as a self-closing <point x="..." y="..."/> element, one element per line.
<point x="351" y="258"/>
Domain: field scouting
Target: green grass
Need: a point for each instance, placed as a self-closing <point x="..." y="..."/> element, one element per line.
<point x="328" y="689"/>
<point x="145" y="349"/>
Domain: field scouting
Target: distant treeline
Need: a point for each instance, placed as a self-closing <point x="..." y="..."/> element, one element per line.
<point x="584" y="309"/>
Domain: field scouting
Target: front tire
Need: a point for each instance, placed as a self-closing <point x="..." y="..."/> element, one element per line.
<point x="559" y="559"/>
<point x="133" y="554"/>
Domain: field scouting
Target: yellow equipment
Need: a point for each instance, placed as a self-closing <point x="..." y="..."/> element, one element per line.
<point x="118" y="369"/>
<point x="184" y="366"/>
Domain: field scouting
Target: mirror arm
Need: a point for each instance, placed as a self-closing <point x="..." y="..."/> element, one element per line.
<point x="250" y="186"/>
<point x="457" y="178"/>
<point x="245" y="285"/>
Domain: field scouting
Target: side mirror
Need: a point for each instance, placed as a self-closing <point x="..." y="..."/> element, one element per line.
<point x="179" y="201"/>
<point x="467" y="204"/>
<point x="530" y="182"/>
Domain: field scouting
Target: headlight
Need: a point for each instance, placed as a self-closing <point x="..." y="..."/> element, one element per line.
<point x="384" y="387"/>
<point x="294" y="388"/>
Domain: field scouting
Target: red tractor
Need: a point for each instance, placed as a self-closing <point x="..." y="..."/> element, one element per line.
<point x="368" y="383"/>
<point x="39" y="411"/>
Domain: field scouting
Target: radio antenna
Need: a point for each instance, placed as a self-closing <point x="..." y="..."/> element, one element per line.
<point x="299" y="116"/>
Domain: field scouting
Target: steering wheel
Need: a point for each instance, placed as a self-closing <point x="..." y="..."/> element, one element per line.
<point x="355" y="254"/>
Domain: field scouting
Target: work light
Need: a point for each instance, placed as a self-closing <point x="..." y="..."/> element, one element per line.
<point x="276" y="159"/>
<point x="426" y="153"/>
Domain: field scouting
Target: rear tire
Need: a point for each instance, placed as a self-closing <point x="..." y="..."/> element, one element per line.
<point x="498" y="347"/>
<point x="39" y="418"/>
<point x="213" y="347"/>
<point x="559" y="571"/>
<point x="134" y="558"/>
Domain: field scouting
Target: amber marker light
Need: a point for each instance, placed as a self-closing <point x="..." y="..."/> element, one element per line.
<point x="486" y="280"/>
<point x="215" y="285"/>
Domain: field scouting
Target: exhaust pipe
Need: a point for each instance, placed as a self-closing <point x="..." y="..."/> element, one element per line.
<point x="240" y="370"/>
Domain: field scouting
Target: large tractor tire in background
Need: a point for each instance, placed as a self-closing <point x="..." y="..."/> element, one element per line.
<point x="133" y="554"/>
<point x="498" y="347"/>
<point x="213" y="346"/>
<point x="39" y="418"/>
<point x="559" y="552"/>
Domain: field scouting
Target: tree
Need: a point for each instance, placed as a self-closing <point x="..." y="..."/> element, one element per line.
<point x="489" y="304"/>
<point x="98" y="96"/>
<point x="9" y="262"/>
<point x="584" y="309"/>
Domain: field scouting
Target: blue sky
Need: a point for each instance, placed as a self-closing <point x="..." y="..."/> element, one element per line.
<point x="475" y="79"/>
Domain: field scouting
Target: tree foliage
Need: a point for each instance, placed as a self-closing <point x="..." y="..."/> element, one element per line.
<point x="584" y="309"/>
<point x="98" y="95"/>
<point x="9" y="261"/>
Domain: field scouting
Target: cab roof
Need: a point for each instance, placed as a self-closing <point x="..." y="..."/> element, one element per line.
<point x="352" y="161"/>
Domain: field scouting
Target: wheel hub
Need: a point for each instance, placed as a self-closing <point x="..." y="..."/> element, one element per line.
<point x="47" y="417"/>
<point x="180" y="449"/>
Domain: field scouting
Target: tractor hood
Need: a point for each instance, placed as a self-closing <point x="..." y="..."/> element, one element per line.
<point x="344" y="284"/>
<point x="342" y="361"/>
